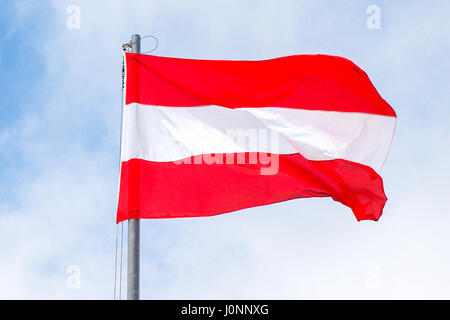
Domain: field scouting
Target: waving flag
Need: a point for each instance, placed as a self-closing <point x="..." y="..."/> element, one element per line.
<point x="205" y="137"/>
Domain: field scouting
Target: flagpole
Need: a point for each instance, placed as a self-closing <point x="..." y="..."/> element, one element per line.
<point x="133" y="224"/>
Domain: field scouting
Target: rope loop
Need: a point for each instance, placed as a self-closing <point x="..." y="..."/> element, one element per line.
<point x="127" y="45"/>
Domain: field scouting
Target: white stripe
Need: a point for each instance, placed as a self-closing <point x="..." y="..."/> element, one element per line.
<point x="164" y="134"/>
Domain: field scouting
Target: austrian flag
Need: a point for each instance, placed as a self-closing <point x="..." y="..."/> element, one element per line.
<point x="205" y="137"/>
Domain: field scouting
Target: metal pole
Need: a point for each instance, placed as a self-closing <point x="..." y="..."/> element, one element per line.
<point x="133" y="224"/>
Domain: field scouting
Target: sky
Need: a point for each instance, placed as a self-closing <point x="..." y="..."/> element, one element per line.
<point x="60" y="96"/>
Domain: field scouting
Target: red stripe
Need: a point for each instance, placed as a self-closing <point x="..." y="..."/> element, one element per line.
<point x="312" y="82"/>
<point x="168" y="190"/>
